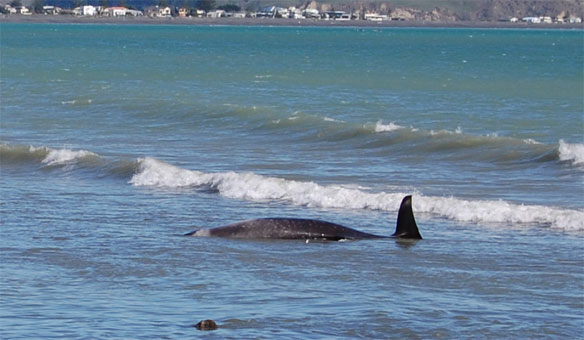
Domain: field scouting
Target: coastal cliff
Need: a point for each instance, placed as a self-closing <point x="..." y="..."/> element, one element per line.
<point x="458" y="10"/>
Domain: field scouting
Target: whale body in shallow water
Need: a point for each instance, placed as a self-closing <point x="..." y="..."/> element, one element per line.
<point x="306" y="229"/>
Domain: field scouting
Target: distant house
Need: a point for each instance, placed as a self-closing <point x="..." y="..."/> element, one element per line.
<point x="151" y="11"/>
<point x="283" y="12"/>
<point x="21" y="10"/>
<point x="376" y="17"/>
<point x="115" y="11"/>
<point x="51" y="10"/>
<point x="134" y="13"/>
<point x="198" y="13"/>
<point x="311" y="13"/>
<point x="337" y="15"/>
<point x="296" y="13"/>
<point x="183" y="12"/>
<point x="273" y="12"/>
<point x="532" y="20"/>
<point x="157" y="11"/>
<point x="88" y="11"/>
<point x="164" y="12"/>
<point x="346" y="17"/>
<point x="575" y="20"/>
<point x="216" y="14"/>
<point x="10" y="10"/>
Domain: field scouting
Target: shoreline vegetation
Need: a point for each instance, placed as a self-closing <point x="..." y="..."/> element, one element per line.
<point x="231" y="21"/>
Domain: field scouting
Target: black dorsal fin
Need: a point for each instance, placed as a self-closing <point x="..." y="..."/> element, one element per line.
<point x="406" y="224"/>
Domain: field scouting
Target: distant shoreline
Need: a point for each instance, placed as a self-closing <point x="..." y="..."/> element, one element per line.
<point x="66" y="19"/>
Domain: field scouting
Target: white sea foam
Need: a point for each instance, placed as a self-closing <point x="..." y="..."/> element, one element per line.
<point x="33" y="149"/>
<point x="501" y="212"/>
<point x="380" y="127"/>
<point x="531" y="141"/>
<point x="254" y="187"/>
<point x="332" y="120"/>
<point x="64" y="156"/>
<point x="571" y="152"/>
<point x="457" y="131"/>
<point x="77" y="102"/>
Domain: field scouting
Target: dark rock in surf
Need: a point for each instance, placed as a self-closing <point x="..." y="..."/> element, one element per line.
<point x="206" y="325"/>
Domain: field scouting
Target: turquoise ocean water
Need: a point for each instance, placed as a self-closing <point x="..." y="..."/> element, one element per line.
<point x="116" y="139"/>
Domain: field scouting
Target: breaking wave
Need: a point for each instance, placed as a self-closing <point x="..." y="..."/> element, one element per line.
<point x="44" y="155"/>
<point x="571" y="152"/>
<point x="151" y="172"/>
<point x="453" y="143"/>
<point x="380" y="127"/>
<point x="66" y="156"/>
<point x="450" y="143"/>
<point x="67" y="159"/>
<point x="254" y="187"/>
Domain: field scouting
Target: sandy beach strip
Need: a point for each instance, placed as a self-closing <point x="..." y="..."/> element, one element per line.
<point x="68" y="19"/>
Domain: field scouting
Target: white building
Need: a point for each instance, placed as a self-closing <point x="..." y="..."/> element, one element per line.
<point x="216" y="14"/>
<point x="115" y="11"/>
<point x="283" y="12"/>
<point x="183" y="12"/>
<point x="346" y="17"/>
<point x="532" y="20"/>
<point x="164" y="12"/>
<point x="88" y="11"/>
<point x="376" y="17"/>
<point x="51" y="10"/>
<point x="134" y="13"/>
<point x="199" y="13"/>
<point x="296" y="13"/>
<point x="17" y="10"/>
<point x="311" y="13"/>
<point x="10" y="10"/>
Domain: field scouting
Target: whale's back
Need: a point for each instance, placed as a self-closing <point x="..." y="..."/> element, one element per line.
<point x="285" y="228"/>
<point x="298" y="228"/>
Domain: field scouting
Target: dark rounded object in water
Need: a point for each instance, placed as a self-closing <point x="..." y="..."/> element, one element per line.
<point x="206" y="325"/>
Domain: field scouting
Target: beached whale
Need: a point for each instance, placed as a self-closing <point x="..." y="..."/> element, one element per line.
<point x="305" y="229"/>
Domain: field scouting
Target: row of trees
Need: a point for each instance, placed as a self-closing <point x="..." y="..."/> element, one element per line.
<point x="205" y="5"/>
<point x="37" y="5"/>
